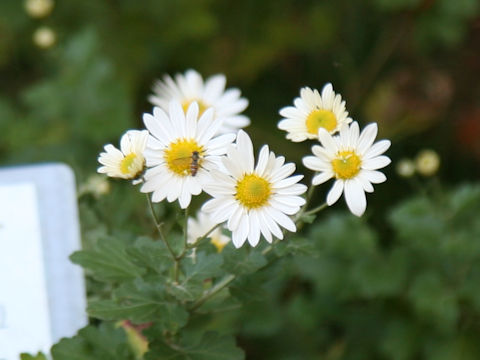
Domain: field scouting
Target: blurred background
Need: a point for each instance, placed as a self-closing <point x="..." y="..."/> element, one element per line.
<point x="74" y="75"/>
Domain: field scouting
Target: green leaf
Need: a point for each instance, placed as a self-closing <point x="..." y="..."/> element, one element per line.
<point x="108" y="261"/>
<point x="210" y="347"/>
<point x="295" y="245"/>
<point x="152" y="254"/>
<point x="105" y="342"/>
<point x="139" y="302"/>
<point x="434" y="301"/>
<point x="196" y="272"/>
<point x="242" y="261"/>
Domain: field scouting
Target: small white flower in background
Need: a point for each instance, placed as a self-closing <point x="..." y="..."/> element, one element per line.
<point x="313" y="111"/>
<point x="352" y="160"/>
<point x="201" y="225"/>
<point x="427" y="162"/>
<point x="38" y="8"/>
<point x="96" y="185"/>
<point x="405" y="168"/>
<point x="128" y="162"/>
<point x="254" y="199"/>
<point x="175" y="138"/>
<point x="190" y="87"/>
<point x="44" y="37"/>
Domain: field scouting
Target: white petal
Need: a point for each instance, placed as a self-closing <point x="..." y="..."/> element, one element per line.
<point x="367" y="138"/>
<point x="240" y="235"/>
<point x="263" y="226"/>
<point x="327" y="141"/>
<point x="354" y="134"/>
<point x="316" y="164"/>
<point x="262" y="160"/>
<point x="254" y="231"/>
<point x="185" y="197"/>
<point x="373" y="176"/>
<point x="234" y="219"/>
<point x="355" y="197"/>
<point x="271" y="224"/>
<point x="282" y="172"/>
<point x="191" y="120"/>
<point x="214" y="87"/>
<point x="335" y="192"/>
<point x="282" y="219"/>
<point x="177" y="118"/>
<point x="376" y="149"/>
<point x="322" y="153"/>
<point x="376" y="162"/>
<point x="322" y="177"/>
<point x="245" y="147"/>
<point x="367" y="185"/>
<point x="296" y="189"/>
<point x="287" y="182"/>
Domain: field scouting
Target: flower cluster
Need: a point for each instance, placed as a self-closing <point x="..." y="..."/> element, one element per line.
<point x="194" y="143"/>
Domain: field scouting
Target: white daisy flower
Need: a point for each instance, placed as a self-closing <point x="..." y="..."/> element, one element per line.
<point x="198" y="227"/>
<point x="227" y="104"/>
<point x="352" y="160"/>
<point x="313" y="111"/>
<point x="254" y="200"/>
<point x="180" y="150"/>
<point x="128" y="162"/>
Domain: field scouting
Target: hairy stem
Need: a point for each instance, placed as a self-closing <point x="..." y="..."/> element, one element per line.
<point x="158" y="225"/>
<point x="214" y="290"/>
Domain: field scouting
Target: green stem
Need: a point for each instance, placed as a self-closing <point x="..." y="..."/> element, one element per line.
<point x="185" y="231"/>
<point x="211" y="292"/>
<point x="315" y="210"/>
<point x="158" y="224"/>
<point x="202" y="238"/>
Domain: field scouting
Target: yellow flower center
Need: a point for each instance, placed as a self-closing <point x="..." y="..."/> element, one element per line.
<point x="321" y="118"/>
<point x="131" y="165"/>
<point x="253" y="191"/>
<point x="201" y="106"/>
<point x="179" y="156"/>
<point x="346" y="165"/>
<point x="218" y="243"/>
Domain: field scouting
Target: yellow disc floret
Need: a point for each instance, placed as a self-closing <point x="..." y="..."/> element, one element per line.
<point x="132" y="165"/>
<point x="321" y="118"/>
<point x="201" y="106"/>
<point x="178" y="156"/>
<point x="346" y="165"/>
<point x="253" y="191"/>
<point x="218" y="243"/>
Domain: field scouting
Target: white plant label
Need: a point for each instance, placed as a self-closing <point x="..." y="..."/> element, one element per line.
<point x="24" y="314"/>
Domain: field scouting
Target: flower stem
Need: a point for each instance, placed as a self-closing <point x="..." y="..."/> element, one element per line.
<point x="158" y="224"/>
<point x="203" y="237"/>
<point x="315" y="210"/>
<point x="185" y="231"/>
<point x="211" y="292"/>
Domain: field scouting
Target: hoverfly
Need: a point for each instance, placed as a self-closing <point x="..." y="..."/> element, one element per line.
<point x="194" y="164"/>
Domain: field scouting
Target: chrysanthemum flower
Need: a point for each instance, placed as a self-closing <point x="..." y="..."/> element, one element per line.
<point x="313" y="111"/>
<point x="352" y="160"/>
<point x="254" y="199"/>
<point x="180" y="150"/>
<point x="227" y="104"/>
<point x="203" y="224"/>
<point x="128" y="162"/>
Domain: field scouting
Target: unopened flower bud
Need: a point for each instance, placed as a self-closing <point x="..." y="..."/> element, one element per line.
<point x="38" y="8"/>
<point x="405" y="168"/>
<point x="427" y="162"/>
<point x="44" y="37"/>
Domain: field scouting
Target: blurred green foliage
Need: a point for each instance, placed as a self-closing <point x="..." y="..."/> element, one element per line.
<point x="403" y="286"/>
